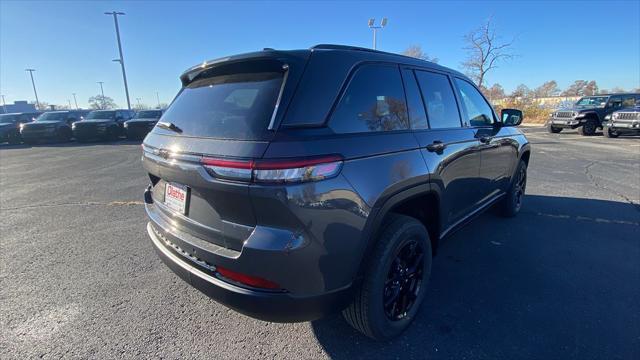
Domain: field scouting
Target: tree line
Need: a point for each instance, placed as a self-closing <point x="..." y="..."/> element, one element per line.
<point x="486" y="50"/>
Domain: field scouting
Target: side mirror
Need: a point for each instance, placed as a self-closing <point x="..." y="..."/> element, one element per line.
<point x="511" y="117"/>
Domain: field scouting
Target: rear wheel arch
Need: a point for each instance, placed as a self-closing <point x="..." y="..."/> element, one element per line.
<point x="421" y="202"/>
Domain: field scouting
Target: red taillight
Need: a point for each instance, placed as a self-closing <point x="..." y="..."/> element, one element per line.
<point x="275" y="171"/>
<point x="252" y="281"/>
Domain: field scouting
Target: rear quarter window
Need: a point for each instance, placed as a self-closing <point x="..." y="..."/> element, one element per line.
<point x="372" y="102"/>
<point x="235" y="106"/>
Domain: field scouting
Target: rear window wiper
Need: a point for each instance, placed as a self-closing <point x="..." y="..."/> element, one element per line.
<point x="169" y="126"/>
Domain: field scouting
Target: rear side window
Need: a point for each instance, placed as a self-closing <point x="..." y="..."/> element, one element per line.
<point x="235" y="106"/>
<point x="438" y="97"/>
<point x="373" y="101"/>
<point x="417" y="116"/>
<point x="479" y="112"/>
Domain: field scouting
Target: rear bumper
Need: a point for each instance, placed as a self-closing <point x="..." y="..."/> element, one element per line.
<point x="263" y="305"/>
<point x="303" y="269"/>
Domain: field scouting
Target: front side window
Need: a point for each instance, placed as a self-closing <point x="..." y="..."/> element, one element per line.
<point x="479" y="112"/>
<point x="592" y="101"/>
<point x="438" y="97"/>
<point x="373" y="101"/>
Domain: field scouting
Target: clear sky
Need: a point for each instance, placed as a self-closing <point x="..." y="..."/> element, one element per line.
<point x="71" y="44"/>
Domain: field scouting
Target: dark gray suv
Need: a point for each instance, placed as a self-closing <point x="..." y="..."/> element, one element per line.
<point x="291" y="184"/>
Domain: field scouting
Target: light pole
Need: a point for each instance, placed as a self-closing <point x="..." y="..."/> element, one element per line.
<point x="102" y="91"/>
<point x="121" y="59"/>
<point x="158" y="98"/>
<point x="34" y="87"/>
<point x="138" y="101"/>
<point x="4" y="106"/>
<point x="375" y="28"/>
<point x="69" y="101"/>
<point x="75" y="100"/>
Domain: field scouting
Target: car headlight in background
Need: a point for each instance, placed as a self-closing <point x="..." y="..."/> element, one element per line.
<point x="126" y="125"/>
<point x="73" y="126"/>
<point x="607" y="117"/>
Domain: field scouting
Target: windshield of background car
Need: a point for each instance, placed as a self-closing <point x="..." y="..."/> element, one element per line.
<point x="148" y="114"/>
<point x="100" y="115"/>
<point x="235" y="106"/>
<point x="595" y="101"/>
<point x="52" y="116"/>
<point x="8" y="118"/>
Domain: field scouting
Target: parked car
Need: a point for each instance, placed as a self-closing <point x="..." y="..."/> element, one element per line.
<point x="10" y="126"/>
<point x="623" y="122"/>
<point x="52" y="125"/>
<point x="291" y="184"/>
<point x="588" y="113"/>
<point x="101" y="125"/>
<point x="141" y="124"/>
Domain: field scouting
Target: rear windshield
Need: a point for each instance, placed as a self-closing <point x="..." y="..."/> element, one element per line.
<point x="236" y="106"/>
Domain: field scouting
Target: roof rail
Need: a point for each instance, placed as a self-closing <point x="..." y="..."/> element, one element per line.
<point x="343" y="47"/>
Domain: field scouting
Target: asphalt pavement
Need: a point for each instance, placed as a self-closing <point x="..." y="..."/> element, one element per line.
<point x="80" y="279"/>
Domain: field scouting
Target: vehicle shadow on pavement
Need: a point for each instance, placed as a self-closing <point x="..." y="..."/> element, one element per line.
<point x="557" y="281"/>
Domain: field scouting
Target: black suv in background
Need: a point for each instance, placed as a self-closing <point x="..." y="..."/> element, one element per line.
<point x="52" y="125"/>
<point x="623" y="122"/>
<point x="291" y="184"/>
<point x="588" y="113"/>
<point x="10" y="126"/>
<point x="102" y="125"/>
<point x="144" y="120"/>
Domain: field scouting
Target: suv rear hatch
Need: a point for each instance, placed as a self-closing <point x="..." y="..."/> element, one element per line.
<point x="224" y="117"/>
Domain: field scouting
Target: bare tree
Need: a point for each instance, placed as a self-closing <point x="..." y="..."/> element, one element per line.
<point x="549" y="88"/>
<point x="416" y="52"/>
<point x="484" y="52"/>
<point x="495" y="92"/>
<point x="100" y="103"/>
<point x="581" y="88"/>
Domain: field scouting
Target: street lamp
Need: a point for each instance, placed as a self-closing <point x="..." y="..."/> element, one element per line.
<point x="158" y="98"/>
<point x="121" y="59"/>
<point x="75" y="100"/>
<point x="138" y="101"/>
<point x="102" y="91"/>
<point x="4" y="106"/>
<point x="375" y="28"/>
<point x="34" y="87"/>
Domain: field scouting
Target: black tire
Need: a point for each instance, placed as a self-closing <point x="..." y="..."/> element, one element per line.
<point x="64" y="134"/>
<point x="367" y="313"/>
<point x="609" y="133"/>
<point x="552" y="129"/>
<point x="14" y="138"/>
<point x="588" y="128"/>
<point x="512" y="202"/>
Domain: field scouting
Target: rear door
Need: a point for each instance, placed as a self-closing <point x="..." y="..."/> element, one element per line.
<point x="221" y="117"/>
<point x="449" y="149"/>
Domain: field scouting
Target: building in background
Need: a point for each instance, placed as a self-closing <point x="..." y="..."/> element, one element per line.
<point x="17" y="106"/>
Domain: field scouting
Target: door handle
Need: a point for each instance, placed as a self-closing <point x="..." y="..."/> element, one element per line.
<point x="436" y="146"/>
